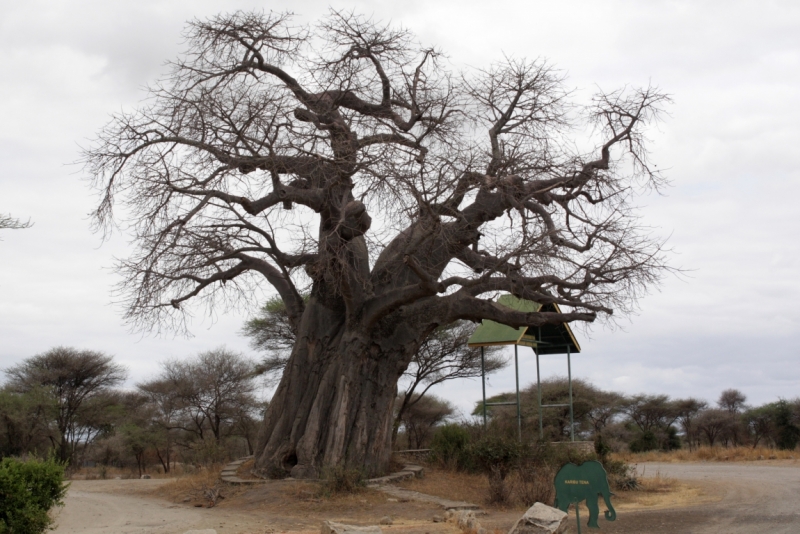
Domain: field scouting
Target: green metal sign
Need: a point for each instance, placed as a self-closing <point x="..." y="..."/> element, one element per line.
<point x="576" y="483"/>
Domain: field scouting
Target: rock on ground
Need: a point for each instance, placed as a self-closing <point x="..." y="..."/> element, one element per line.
<point x="541" y="519"/>
<point x="331" y="527"/>
<point x="465" y="519"/>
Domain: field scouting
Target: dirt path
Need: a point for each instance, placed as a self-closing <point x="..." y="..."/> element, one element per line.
<point x="123" y="506"/>
<point x="753" y="497"/>
<point x="106" y="506"/>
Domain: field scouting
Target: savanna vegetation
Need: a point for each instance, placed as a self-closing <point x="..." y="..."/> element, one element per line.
<point x="620" y="429"/>
<point x="206" y="409"/>
<point x="71" y="403"/>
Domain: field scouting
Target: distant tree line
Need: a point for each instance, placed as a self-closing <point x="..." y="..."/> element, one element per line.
<point x="70" y="402"/>
<point x="205" y="409"/>
<point x="647" y="422"/>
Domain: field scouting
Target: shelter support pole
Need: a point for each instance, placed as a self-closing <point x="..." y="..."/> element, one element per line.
<point x="539" y="394"/>
<point x="483" y="383"/>
<point x="571" y="412"/>
<point x="519" y="412"/>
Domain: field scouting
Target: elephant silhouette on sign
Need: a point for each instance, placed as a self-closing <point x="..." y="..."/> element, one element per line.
<point x="576" y="483"/>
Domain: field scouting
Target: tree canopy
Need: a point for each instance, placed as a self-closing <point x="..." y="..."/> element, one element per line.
<point x="77" y="381"/>
<point x="349" y="120"/>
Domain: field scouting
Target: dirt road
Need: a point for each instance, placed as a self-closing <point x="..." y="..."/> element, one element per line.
<point x="123" y="506"/>
<point x="110" y="506"/>
<point x="754" y="497"/>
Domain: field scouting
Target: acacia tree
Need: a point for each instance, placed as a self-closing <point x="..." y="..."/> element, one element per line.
<point x="346" y="158"/>
<point x="651" y="412"/>
<point x="688" y="410"/>
<point x="79" y="382"/>
<point x="212" y="391"/>
<point x="165" y="410"/>
<point x="733" y="402"/>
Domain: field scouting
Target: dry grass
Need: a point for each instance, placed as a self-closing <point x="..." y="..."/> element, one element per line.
<point x="655" y="491"/>
<point x="452" y="485"/>
<point x="659" y="491"/>
<point x="708" y="454"/>
<point x="522" y="491"/>
<point x="202" y="488"/>
<point x="657" y="484"/>
<point x="245" y="470"/>
<point x="110" y="473"/>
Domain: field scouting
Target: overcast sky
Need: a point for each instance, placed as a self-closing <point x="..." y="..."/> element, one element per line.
<point x="731" y="147"/>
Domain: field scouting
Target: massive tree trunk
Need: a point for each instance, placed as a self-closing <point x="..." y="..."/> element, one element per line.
<point x="334" y="404"/>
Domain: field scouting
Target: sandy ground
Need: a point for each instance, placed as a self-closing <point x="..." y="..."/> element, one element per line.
<point x="112" y="506"/>
<point x="751" y="498"/>
<point x="748" y="497"/>
<point x="124" y="506"/>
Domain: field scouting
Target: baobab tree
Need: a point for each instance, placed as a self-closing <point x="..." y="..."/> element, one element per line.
<point x="346" y="160"/>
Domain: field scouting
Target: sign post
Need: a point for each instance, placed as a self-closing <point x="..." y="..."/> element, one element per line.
<point x="585" y="482"/>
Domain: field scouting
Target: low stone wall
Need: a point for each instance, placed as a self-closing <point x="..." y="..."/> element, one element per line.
<point x="409" y="471"/>
<point x="414" y="456"/>
<point x="586" y="447"/>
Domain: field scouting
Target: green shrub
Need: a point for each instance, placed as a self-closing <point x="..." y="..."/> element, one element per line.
<point x="647" y="441"/>
<point x="788" y="432"/>
<point x="28" y="490"/>
<point x="601" y="448"/>
<point x="449" y="445"/>
<point x="495" y="454"/>
<point x="673" y="441"/>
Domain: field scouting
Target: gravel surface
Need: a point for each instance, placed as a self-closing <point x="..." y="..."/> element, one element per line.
<point x="756" y="497"/>
<point x="106" y="506"/>
<point x="122" y="506"/>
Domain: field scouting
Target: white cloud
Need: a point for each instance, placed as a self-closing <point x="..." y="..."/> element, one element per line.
<point x="729" y="147"/>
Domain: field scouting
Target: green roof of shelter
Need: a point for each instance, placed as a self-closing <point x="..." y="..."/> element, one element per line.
<point x="554" y="338"/>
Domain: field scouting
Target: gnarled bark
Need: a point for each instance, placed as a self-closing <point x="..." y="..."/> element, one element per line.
<point x="334" y="403"/>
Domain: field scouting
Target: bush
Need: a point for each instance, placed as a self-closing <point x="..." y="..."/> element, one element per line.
<point x="340" y="479"/>
<point x="518" y="472"/>
<point x="28" y="490"/>
<point x="673" y="441"/>
<point x="621" y="476"/>
<point x="647" y="441"/>
<point x="535" y="483"/>
<point x="788" y="432"/>
<point x="449" y="445"/>
<point x="495" y="455"/>
<point x="601" y="448"/>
